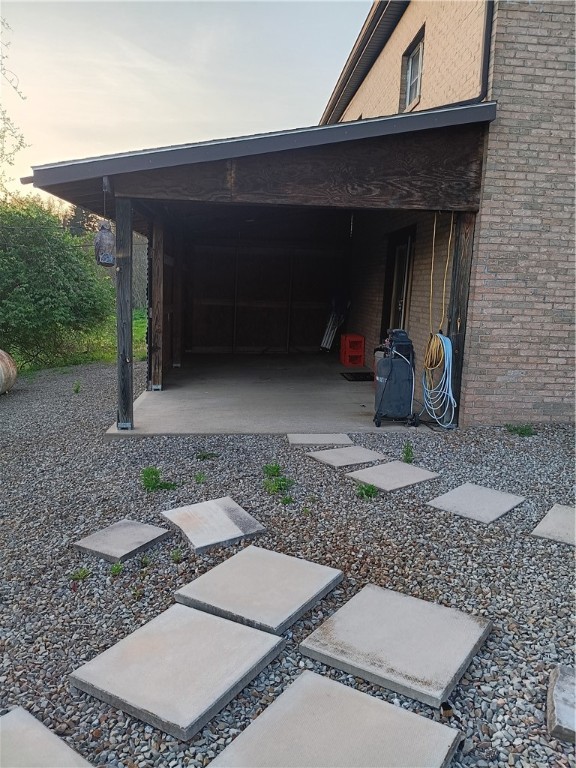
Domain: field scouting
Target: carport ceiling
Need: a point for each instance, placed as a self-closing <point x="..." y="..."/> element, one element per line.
<point x="205" y="221"/>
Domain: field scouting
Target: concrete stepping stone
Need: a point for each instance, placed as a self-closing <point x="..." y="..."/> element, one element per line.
<point x="319" y="722"/>
<point x="324" y="439"/>
<point x="559" y="524"/>
<point x="476" y="502"/>
<point x="264" y="589"/>
<point x="26" y="743"/>
<point x="121" y="540"/>
<point x="214" y="523"/>
<point x="342" y="457"/>
<point x="392" y="476"/>
<point x="408" y="645"/>
<point x="561" y="704"/>
<point x="178" y="670"/>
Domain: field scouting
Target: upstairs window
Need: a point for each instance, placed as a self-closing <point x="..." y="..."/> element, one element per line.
<point x="411" y="81"/>
<point x="414" y="74"/>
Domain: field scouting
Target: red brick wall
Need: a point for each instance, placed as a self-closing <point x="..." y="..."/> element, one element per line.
<point x="519" y="355"/>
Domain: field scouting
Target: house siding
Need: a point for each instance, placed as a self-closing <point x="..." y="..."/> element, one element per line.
<point x="454" y="33"/>
<point x="519" y="353"/>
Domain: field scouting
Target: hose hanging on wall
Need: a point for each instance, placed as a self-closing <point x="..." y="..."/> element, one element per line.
<point x="439" y="400"/>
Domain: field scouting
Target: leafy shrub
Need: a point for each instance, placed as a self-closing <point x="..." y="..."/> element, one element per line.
<point x="52" y="292"/>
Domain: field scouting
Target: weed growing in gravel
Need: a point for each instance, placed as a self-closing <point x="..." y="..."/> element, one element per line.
<point x="145" y="561"/>
<point x="205" y="455"/>
<point x="366" y="491"/>
<point x="306" y="511"/>
<point x="116" y="569"/>
<point x="151" y="480"/>
<point x="408" y="452"/>
<point x="199" y="478"/>
<point x="272" y="470"/>
<point x="76" y="387"/>
<point x="80" y="574"/>
<point x="176" y="556"/>
<point x="275" y="485"/>
<point x="287" y="499"/>
<point x="522" y="430"/>
<point x="138" y="592"/>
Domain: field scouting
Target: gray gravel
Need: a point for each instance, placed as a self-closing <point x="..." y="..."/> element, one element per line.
<point x="60" y="481"/>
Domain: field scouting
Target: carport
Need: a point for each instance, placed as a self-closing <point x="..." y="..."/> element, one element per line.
<point x="253" y="240"/>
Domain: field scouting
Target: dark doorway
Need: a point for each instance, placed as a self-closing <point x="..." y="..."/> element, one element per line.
<point x="397" y="279"/>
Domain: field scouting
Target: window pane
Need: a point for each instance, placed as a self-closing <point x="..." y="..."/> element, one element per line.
<point x="413" y="74"/>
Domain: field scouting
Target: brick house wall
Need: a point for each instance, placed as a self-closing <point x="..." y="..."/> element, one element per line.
<point x="519" y="353"/>
<point x="452" y="59"/>
<point x="519" y="350"/>
<point x="367" y="270"/>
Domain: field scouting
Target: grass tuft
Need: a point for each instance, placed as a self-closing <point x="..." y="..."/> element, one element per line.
<point x="366" y="491"/>
<point x="79" y="574"/>
<point x="151" y="480"/>
<point x="408" y="452"/>
<point x="522" y="430"/>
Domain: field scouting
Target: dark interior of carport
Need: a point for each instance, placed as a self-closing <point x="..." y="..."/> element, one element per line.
<point x="251" y="278"/>
<point x="251" y="245"/>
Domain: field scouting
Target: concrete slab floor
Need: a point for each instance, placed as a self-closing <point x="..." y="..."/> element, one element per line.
<point x="256" y="394"/>
<point x="392" y="475"/>
<point x="319" y="723"/>
<point x="26" y="743"/>
<point x="408" y="645"/>
<point x="213" y="523"/>
<point x="178" y="670"/>
<point x="559" y="524"/>
<point x="343" y="457"/>
<point x="476" y="502"/>
<point x="264" y="589"/>
<point x="561" y="704"/>
<point x="121" y="540"/>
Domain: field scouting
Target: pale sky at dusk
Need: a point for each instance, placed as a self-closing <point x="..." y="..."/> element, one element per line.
<point x="106" y="77"/>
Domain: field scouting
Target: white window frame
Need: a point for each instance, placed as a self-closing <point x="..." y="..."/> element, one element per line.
<point x="413" y="93"/>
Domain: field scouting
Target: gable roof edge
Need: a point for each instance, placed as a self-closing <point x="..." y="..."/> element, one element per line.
<point x="380" y="23"/>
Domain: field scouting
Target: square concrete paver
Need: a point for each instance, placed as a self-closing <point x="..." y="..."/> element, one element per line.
<point x="342" y="457"/>
<point x="178" y="670"/>
<point x="476" y="502"/>
<point x="559" y="525"/>
<point x="392" y="476"/>
<point x="561" y="704"/>
<point x="26" y="743"/>
<point x="267" y="590"/>
<point x="121" y="540"/>
<point x="408" y="645"/>
<point x="214" y="523"/>
<point x="318" y="722"/>
<point x="340" y="439"/>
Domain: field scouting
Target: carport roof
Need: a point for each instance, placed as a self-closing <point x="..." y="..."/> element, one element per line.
<point x="54" y="174"/>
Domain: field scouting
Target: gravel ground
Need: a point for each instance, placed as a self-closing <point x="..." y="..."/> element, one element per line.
<point x="60" y="481"/>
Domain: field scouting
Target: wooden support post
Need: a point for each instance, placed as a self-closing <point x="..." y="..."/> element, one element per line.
<point x="458" y="310"/>
<point x="157" y="289"/>
<point x="125" y="414"/>
<point x="177" y="299"/>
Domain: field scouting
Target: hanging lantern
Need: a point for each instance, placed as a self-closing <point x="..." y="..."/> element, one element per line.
<point x="104" y="245"/>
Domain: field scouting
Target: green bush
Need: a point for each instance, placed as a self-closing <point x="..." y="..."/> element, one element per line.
<point x="52" y="292"/>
